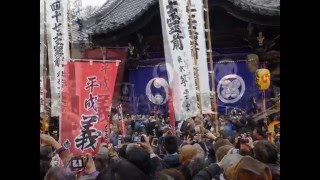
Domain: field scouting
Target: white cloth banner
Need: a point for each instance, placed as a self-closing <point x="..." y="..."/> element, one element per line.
<point x="41" y="95"/>
<point x="58" y="48"/>
<point x="42" y="51"/>
<point x="179" y="62"/>
<point x="201" y="52"/>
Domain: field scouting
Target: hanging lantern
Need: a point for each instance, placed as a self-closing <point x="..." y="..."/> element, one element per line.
<point x="252" y="62"/>
<point x="263" y="78"/>
<point x="260" y="39"/>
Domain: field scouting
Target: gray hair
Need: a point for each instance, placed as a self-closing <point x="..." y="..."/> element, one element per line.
<point x="196" y="165"/>
<point x="87" y="177"/>
<point x="58" y="173"/>
<point x="130" y="146"/>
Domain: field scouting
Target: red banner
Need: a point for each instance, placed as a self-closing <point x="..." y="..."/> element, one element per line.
<point x="171" y="112"/>
<point x="110" y="53"/>
<point x="87" y="96"/>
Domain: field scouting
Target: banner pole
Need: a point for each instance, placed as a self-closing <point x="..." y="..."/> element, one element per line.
<point x="44" y="74"/>
<point x="195" y="58"/>
<point x="171" y="112"/>
<point x="122" y="121"/>
<point x="47" y="107"/>
<point x="214" y="95"/>
<point x="94" y="60"/>
<point x="70" y="29"/>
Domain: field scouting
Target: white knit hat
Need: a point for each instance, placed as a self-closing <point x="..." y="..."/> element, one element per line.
<point x="103" y="151"/>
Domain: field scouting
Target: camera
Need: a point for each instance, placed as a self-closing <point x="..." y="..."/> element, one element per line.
<point x="77" y="162"/>
<point x="137" y="139"/>
<point x="235" y="151"/>
<point x="244" y="140"/>
<point x="155" y="142"/>
<point x="204" y="136"/>
<point x="142" y="139"/>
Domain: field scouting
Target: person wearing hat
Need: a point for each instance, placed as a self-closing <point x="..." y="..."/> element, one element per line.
<point x="229" y="160"/>
<point x="215" y="170"/>
<point x="248" y="168"/>
<point x="219" y="143"/>
<point x="267" y="152"/>
<point x="101" y="157"/>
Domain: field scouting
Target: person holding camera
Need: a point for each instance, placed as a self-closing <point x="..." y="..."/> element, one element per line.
<point x="74" y="166"/>
<point x="171" y="157"/>
<point x="114" y="136"/>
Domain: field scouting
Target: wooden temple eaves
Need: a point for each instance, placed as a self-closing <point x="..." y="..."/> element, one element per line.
<point x="116" y="15"/>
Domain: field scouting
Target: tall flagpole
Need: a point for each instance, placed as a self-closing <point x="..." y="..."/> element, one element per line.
<point x="47" y="106"/>
<point x="214" y="95"/>
<point x="70" y="29"/>
<point x="195" y="57"/>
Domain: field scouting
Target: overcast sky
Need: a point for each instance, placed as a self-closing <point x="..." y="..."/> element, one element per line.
<point x="91" y="2"/>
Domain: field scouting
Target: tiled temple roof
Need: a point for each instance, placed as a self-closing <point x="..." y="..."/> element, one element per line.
<point x="115" y="14"/>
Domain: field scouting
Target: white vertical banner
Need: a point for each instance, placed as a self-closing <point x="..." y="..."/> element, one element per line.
<point x="58" y="48"/>
<point x="42" y="109"/>
<point x="198" y="26"/>
<point x="42" y="51"/>
<point x="179" y="62"/>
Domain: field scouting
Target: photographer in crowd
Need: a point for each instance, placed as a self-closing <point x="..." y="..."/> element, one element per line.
<point x="151" y="150"/>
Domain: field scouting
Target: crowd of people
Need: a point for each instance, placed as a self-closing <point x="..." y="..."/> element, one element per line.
<point x="146" y="147"/>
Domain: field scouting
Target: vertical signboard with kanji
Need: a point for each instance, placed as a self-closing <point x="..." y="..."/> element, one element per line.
<point x="197" y="28"/>
<point x="58" y="48"/>
<point x="86" y="98"/>
<point x="42" y="50"/>
<point x="176" y="40"/>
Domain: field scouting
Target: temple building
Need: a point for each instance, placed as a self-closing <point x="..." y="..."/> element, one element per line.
<point x="240" y="29"/>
